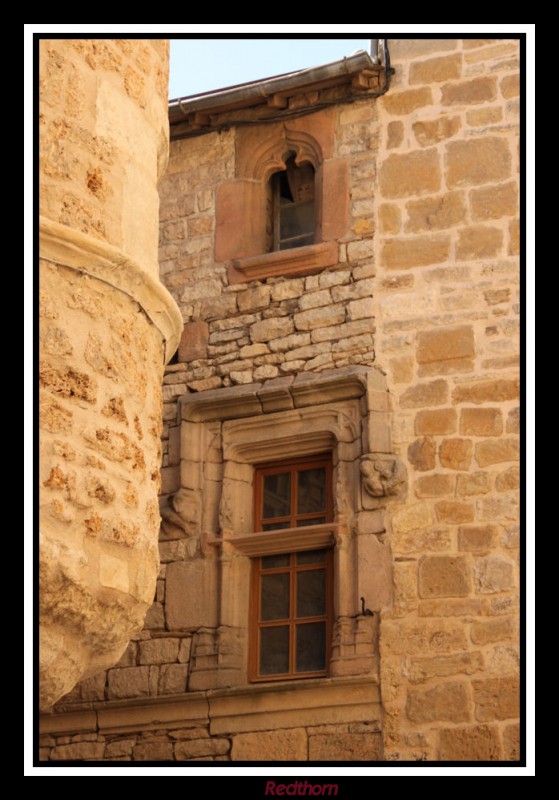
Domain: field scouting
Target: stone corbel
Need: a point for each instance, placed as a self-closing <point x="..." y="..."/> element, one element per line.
<point x="180" y="514"/>
<point x="383" y="476"/>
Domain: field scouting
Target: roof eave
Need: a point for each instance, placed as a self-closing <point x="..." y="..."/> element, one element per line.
<point x="254" y="93"/>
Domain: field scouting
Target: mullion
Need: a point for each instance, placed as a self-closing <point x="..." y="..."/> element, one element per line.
<point x="294" y="487"/>
<point x="292" y="611"/>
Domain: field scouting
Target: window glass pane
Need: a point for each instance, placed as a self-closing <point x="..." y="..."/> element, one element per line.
<point x="296" y="219"/>
<point x="275" y="526"/>
<point x="274" y="650"/>
<point x="277" y="495"/>
<point x="300" y="241"/>
<point x="311" y="490"/>
<point x="302" y="523"/>
<point x="281" y="560"/>
<point x="275" y="596"/>
<point x="311" y="647"/>
<point x="311" y="557"/>
<point x="311" y="593"/>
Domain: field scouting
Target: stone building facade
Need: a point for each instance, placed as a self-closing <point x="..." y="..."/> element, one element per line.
<point x="385" y="347"/>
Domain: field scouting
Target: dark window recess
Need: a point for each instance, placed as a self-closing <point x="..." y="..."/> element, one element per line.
<point x="293" y="206"/>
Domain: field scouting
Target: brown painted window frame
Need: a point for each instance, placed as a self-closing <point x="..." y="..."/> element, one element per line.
<point x="255" y="623"/>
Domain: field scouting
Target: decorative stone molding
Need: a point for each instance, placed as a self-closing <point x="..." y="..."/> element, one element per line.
<point x="382" y="475"/>
<point x="267" y="154"/>
<point x="75" y="250"/>
<point x="224" y="433"/>
<point x="181" y="510"/>
<point x="258" y="707"/>
<point x="241" y="215"/>
<point x="261" y="149"/>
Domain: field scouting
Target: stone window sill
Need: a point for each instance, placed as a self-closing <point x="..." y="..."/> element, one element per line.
<point x="297" y="261"/>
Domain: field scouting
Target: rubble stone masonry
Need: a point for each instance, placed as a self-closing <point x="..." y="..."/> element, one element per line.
<point x="425" y="288"/>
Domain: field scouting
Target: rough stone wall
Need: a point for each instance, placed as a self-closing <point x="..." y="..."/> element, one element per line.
<point x="245" y="333"/>
<point x="354" y="742"/>
<point x="446" y="306"/>
<point x="105" y="323"/>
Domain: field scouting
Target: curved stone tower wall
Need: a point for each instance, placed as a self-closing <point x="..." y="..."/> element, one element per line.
<point x="106" y="328"/>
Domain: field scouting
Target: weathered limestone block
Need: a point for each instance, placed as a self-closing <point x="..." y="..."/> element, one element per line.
<point x="281" y="745"/>
<point x="448" y="702"/>
<point x="81" y="751"/>
<point x="154" y="750"/>
<point x="345" y="747"/>
<point x="444" y="576"/>
<point x="107" y="326"/>
<point x="201" y="748"/>
<point x="497" y="698"/>
<point x="475" y="743"/>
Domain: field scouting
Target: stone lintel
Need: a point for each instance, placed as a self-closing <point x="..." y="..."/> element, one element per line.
<point x="253" y="399"/>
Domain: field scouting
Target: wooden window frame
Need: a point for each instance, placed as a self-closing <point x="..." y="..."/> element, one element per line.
<point x="256" y="625"/>
<point x="293" y="466"/>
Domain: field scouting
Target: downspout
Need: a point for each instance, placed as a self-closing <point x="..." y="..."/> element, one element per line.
<point x="380" y="55"/>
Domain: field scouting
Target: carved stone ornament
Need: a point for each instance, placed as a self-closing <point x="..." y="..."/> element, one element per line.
<point x="383" y="475"/>
<point x="180" y="510"/>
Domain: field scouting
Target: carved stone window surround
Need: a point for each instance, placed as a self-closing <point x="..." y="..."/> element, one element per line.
<point x="224" y="434"/>
<point x="241" y="207"/>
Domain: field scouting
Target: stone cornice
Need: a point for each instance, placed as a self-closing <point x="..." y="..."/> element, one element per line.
<point x="75" y="250"/>
<point x="279" y="394"/>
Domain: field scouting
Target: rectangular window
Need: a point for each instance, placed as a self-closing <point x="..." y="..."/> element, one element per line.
<point x="291" y="593"/>
<point x="291" y="598"/>
<point x="293" y="494"/>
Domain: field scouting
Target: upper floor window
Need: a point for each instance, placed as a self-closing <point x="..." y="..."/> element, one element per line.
<point x="293" y="206"/>
<point x="288" y="206"/>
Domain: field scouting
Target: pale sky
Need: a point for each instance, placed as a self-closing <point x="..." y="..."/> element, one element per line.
<point x="202" y="65"/>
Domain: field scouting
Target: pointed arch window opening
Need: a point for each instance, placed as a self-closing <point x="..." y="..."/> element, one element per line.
<point x="293" y="205"/>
